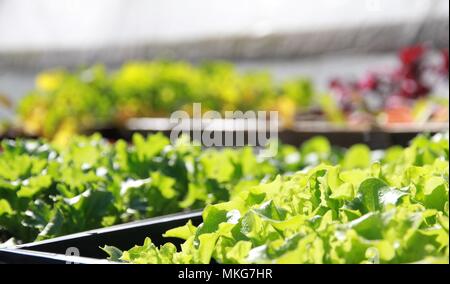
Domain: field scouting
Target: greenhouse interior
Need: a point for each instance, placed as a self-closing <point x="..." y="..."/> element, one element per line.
<point x="224" y="132"/>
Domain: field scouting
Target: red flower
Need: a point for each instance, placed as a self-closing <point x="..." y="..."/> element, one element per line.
<point x="412" y="55"/>
<point x="369" y="82"/>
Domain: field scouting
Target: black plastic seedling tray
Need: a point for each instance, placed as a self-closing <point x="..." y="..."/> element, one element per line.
<point x="85" y="247"/>
<point x="19" y="256"/>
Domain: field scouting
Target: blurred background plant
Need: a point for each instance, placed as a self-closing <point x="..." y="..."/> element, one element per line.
<point x="90" y="98"/>
<point x="64" y="103"/>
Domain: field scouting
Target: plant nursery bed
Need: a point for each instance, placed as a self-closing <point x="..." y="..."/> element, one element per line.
<point x="376" y="137"/>
<point x="85" y="247"/>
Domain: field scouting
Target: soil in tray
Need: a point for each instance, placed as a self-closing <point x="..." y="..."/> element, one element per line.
<point x="4" y="236"/>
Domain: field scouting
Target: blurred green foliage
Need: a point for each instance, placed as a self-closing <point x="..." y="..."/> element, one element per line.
<point x="65" y="102"/>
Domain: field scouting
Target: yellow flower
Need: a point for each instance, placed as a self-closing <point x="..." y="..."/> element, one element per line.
<point x="49" y="81"/>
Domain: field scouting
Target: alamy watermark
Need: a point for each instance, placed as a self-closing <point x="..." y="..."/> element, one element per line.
<point x="72" y="251"/>
<point x="232" y="129"/>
